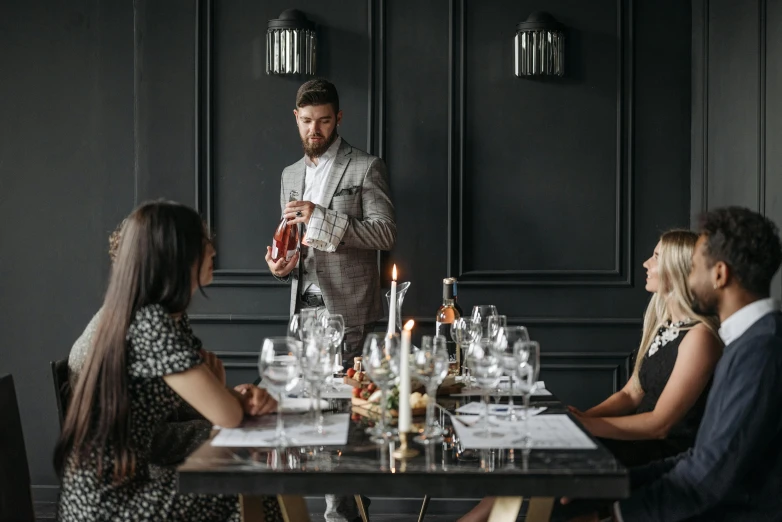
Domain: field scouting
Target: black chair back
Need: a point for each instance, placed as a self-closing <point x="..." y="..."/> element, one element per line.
<point x="62" y="387"/>
<point x="16" y="501"/>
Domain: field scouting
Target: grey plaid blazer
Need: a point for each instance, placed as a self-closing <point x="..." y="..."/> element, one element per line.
<point x="357" y="189"/>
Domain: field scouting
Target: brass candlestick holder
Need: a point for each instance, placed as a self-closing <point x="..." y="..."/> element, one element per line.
<point x="405" y="451"/>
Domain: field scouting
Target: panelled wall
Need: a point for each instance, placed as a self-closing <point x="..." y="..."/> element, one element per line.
<point x="543" y="197"/>
<point x="736" y="107"/>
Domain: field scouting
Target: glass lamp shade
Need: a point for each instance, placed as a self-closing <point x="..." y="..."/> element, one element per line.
<point x="291" y="43"/>
<point x="539" y="46"/>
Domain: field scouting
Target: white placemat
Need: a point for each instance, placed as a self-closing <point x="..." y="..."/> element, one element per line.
<point x="259" y="432"/>
<point x="476" y="408"/>
<point x="547" y="431"/>
<point x="541" y="390"/>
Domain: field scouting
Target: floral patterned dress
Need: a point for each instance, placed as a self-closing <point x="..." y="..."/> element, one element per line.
<point x="157" y="346"/>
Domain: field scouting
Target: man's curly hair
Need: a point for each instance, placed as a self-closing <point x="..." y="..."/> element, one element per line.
<point x="745" y="241"/>
<point x="114" y="240"/>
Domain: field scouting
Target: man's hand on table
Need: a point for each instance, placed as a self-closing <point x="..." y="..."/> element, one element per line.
<point x="256" y="401"/>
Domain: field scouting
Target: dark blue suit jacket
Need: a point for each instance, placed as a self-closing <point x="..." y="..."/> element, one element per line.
<point x="734" y="471"/>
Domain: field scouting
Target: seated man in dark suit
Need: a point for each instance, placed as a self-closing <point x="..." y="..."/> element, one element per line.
<point x="734" y="471"/>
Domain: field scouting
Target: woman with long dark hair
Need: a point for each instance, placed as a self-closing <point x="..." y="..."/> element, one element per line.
<point x="144" y="361"/>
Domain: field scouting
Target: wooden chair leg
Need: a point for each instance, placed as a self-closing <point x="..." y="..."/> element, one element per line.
<point x="362" y="511"/>
<point x="424" y="507"/>
<point x="505" y="509"/>
<point x="294" y="508"/>
<point x="251" y="508"/>
<point x="539" y="509"/>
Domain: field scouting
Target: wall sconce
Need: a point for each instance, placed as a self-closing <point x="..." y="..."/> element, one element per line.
<point x="290" y="44"/>
<point x="540" y="46"/>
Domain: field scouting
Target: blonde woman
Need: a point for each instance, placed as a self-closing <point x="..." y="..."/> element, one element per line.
<point x="657" y="413"/>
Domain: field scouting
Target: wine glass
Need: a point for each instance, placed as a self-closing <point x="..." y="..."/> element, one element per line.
<point x="487" y="371"/>
<point x="317" y="367"/>
<point x="504" y="344"/>
<point x="430" y="366"/>
<point x="278" y="366"/>
<point x="334" y="331"/>
<point x="481" y="314"/>
<point x="527" y="355"/>
<point x="310" y="325"/>
<point x="464" y="333"/>
<point x="380" y="359"/>
<point x="494" y="323"/>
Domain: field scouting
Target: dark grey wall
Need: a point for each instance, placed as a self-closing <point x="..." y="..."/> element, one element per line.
<point x="736" y="110"/>
<point x="543" y="197"/>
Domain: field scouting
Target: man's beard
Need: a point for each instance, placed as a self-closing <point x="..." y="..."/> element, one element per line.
<point x="316" y="150"/>
<point x="704" y="305"/>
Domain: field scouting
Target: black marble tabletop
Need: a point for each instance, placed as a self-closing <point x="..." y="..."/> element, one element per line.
<point x="444" y="470"/>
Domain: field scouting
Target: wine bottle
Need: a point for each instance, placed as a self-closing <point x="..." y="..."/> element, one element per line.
<point x="456" y="297"/>
<point x="446" y="315"/>
<point x="286" y="237"/>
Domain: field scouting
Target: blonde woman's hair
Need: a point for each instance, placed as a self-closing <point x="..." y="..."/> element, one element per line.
<point x="673" y="268"/>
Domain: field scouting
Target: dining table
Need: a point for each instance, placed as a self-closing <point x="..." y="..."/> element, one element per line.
<point x="447" y="469"/>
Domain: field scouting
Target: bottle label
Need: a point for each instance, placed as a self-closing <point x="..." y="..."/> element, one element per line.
<point x="275" y="250"/>
<point x="289" y="254"/>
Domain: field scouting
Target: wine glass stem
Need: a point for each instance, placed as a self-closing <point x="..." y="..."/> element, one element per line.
<point x="280" y="427"/>
<point x="527" y="437"/>
<point x="510" y="398"/>
<point x="486" y="402"/>
<point x="383" y="408"/>
<point x="431" y="391"/>
<point x="318" y="411"/>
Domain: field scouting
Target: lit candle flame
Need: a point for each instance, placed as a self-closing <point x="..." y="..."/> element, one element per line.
<point x="393" y="273"/>
<point x="409" y="325"/>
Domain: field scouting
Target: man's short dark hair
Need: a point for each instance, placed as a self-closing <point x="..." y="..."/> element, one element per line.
<point x="745" y="241"/>
<point x="318" y="92"/>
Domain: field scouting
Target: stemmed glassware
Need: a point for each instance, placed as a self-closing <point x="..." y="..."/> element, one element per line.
<point x="430" y="366"/>
<point x="278" y="366"/>
<point x="317" y="367"/>
<point x="487" y="371"/>
<point x="504" y="344"/>
<point x="527" y="355"/>
<point x="481" y="315"/>
<point x="381" y="362"/>
<point x="464" y="333"/>
<point x="334" y="331"/>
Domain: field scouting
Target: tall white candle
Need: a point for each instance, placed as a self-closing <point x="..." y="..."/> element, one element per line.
<point x="392" y="305"/>
<point x="405" y="412"/>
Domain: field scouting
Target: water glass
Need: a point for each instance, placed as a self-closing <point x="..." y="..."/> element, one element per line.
<point x="527" y="354"/>
<point x="278" y="366"/>
<point x="430" y="366"/>
<point x="504" y="345"/>
<point x="381" y="362"/>
<point x="316" y="367"/>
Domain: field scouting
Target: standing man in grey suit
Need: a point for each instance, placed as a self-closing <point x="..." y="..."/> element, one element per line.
<point x="346" y="216"/>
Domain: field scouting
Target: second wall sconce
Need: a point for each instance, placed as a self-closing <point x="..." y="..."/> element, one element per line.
<point x="540" y="46"/>
<point x="291" y="44"/>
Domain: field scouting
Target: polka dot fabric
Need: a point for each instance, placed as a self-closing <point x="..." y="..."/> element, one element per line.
<point x="157" y="346"/>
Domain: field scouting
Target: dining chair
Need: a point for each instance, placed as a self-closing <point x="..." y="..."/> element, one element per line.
<point x="16" y="501"/>
<point x="62" y="387"/>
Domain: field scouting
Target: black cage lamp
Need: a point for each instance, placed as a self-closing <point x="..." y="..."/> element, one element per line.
<point x="540" y="46"/>
<point x="291" y="44"/>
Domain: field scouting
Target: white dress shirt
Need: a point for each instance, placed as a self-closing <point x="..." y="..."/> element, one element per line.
<point x="315" y="177"/>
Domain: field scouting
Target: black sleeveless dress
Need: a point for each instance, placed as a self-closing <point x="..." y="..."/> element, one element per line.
<point x="655" y="371"/>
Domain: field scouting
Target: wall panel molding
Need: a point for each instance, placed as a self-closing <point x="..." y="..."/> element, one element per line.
<point x="620" y="275"/>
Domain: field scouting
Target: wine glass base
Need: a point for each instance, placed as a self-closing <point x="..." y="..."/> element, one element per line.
<point x="487" y="434"/>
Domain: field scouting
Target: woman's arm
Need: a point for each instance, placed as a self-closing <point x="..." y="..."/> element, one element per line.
<point x="199" y="387"/>
<point x="623" y="402"/>
<point x="699" y="352"/>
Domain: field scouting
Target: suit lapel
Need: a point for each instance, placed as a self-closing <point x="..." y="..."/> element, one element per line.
<point x="337" y="171"/>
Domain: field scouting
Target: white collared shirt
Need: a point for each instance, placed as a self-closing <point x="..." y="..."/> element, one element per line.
<point x="315" y="177"/>
<point x="734" y="326"/>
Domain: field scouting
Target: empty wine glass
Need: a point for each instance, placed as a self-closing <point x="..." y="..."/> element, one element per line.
<point x="527" y="354"/>
<point x="504" y="345"/>
<point x="430" y="366"/>
<point x="278" y="366"/>
<point x="380" y="359"/>
<point x="464" y="333"/>
<point x="481" y="314"/>
<point x="317" y="367"/>
<point x="487" y="371"/>
<point x="334" y="331"/>
<point x="494" y="323"/>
